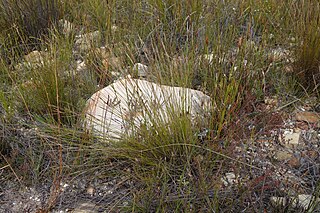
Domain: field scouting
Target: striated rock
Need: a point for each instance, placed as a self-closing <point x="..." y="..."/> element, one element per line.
<point x="125" y="105"/>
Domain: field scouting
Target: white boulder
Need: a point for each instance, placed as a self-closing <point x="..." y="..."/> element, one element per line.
<point x="125" y="105"/>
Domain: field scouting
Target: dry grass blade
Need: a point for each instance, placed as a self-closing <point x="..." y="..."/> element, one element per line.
<point x="9" y="165"/>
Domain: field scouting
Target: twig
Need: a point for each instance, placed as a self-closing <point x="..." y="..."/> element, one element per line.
<point x="8" y="165"/>
<point x="4" y="167"/>
<point x="288" y="104"/>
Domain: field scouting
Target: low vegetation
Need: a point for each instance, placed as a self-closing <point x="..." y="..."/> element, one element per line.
<point x="238" y="52"/>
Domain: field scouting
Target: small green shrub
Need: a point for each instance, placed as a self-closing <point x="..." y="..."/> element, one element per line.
<point x="307" y="45"/>
<point x="173" y="170"/>
<point x="54" y="87"/>
<point x="24" y="22"/>
<point x="306" y="66"/>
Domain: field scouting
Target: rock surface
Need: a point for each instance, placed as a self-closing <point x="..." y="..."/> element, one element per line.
<point x="305" y="201"/>
<point x="290" y="139"/>
<point x="85" y="208"/>
<point x="310" y="117"/>
<point x="141" y="69"/>
<point x="66" y="27"/>
<point x="86" y="41"/>
<point x="129" y="103"/>
<point x="35" y="57"/>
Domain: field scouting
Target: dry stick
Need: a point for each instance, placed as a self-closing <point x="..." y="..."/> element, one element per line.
<point x="288" y="104"/>
<point x="8" y="165"/>
<point x="4" y="166"/>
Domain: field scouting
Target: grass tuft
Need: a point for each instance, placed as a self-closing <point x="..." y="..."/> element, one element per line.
<point x="24" y="23"/>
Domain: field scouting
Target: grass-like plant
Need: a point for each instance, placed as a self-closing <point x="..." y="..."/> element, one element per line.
<point x="54" y="86"/>
<point x="24" y="22"/>
<point x="218" y="47"/>
<point x="307" y="53"/>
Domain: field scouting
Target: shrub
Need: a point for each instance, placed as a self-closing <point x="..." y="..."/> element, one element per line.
<point x="307" y="50"/>
<point x="24" y="22"/>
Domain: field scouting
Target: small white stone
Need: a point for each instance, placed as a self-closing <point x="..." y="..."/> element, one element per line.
<point x="63" y="186"/>
<point x="90" y="190"/>
<point x="114" y="28"/>
<point x="66" y="26"/>
<point x="291" y="140"/>
<point x="279" y="54"/>
<point x="35" y="57"/>
<point x="228" y="179"/>
<point x="86" y="41"/>
<point x="81" y="66"/>
<point x="141" y="69"/>
<point x="209" y="58"/>
<point x="288" y="131"/>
